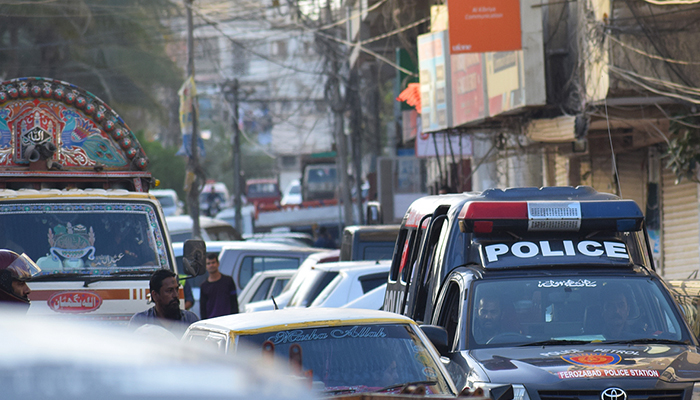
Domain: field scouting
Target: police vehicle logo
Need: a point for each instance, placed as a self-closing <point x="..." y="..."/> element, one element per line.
<point x="613" y="393"/>
<point x="592" y="359"/>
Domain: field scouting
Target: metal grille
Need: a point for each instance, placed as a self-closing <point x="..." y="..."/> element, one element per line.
<point x="638" y="394"/>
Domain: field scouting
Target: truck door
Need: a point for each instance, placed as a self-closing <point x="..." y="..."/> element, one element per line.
<point x="423" y="270"/>
<point x="451" y="314"/>
<point x="405" y="255"/>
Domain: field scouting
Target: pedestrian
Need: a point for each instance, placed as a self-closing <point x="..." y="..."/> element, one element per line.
<point x="15" y="270"/>
<point x="445" y="189"/>
<point x="213" y="201"/>
<point x="187" y="289"/>
<point x="324" y="239"/>
<point x="166" y="312"/>
<point x="217" y="295"/>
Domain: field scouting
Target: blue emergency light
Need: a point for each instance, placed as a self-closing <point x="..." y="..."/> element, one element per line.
<point x="542" y="216"/>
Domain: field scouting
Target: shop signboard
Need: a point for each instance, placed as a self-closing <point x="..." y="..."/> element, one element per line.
<point x="481" y="26"/>
<point x="433" y="63"/>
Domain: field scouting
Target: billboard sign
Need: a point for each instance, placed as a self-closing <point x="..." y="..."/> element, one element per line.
<point x="433" y="63"/>
<point x="504" y="81"/>
<point x="467" y="88"/>
<point x="482" y="26"/>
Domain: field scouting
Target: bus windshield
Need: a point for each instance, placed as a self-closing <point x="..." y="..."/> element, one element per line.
<point x="96" y="238"/>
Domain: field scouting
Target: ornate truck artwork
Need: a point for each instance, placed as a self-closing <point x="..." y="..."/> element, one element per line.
<point x="69" y="244"/>
<point x="42" y="114"/>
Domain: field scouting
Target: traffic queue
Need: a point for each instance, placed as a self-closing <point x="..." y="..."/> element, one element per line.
<point x="522" y="293"/>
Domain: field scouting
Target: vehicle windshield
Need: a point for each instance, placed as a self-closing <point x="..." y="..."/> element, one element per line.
<point x="528" y="311"/>
<point x="256" y="190"/>
<point x="357" y="358"/>
<point x="97" y="238"/>
<point x="166" y="200"/>
<point x="313" y="284"/>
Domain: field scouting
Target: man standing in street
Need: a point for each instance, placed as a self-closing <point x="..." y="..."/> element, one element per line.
<point x="166" y="312"/>
<point x="217" y="295"/>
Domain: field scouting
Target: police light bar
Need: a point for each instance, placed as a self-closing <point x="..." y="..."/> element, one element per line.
<point x="566" y="216"/>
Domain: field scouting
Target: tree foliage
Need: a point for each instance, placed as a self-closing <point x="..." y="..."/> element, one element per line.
<point x="218" y="162"/>
<point x="114" y="48"/>
<point x="683" y="151"/>
<point x="164" y="164"/>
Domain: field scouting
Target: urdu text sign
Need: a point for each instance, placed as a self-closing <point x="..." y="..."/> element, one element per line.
<point x="481" y="26"/>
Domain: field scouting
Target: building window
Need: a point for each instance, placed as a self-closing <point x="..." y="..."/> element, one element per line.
<point x="279" y="49"/>
<point x="207" y="55"/>
<point x="288" y="161"/>
<point x="241" y="59"/>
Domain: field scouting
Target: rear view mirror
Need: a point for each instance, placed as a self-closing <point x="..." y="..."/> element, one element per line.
<point x="437" y="336"/>
<point x="194" y="257"/>
<point x="374" y="213"/>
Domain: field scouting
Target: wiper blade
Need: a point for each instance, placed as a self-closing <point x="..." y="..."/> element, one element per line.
<point x="400" y="385"/>
<point x="115" y="275"/>
<point x="552" y="342"/>
<point x="645" y="341"/>
<point x="338" y="391"/>
<point x="60" y="276"/>
<point x="132" y="272"/>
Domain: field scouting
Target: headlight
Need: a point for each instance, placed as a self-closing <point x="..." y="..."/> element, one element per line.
<point x="519" y="392"/>
<point x="696" y="391"/>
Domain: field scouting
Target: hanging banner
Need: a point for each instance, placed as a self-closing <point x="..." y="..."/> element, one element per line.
<point x="187" y="93"/>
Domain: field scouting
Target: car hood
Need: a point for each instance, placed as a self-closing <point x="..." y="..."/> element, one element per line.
<point x="552" y="364"/>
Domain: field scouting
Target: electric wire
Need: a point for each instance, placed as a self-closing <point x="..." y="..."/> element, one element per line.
<point x="672" y="2"/>
<point x="630" y="78"/>
<point x="611" y="37"/>
<point x="215" y="25"/>
<point x="612" y="150"/>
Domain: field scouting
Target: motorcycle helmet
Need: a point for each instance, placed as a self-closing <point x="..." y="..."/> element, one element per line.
<point x="15" y="267"/>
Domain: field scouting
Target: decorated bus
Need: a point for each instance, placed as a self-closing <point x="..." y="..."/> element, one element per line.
<point x="74" y="184"/>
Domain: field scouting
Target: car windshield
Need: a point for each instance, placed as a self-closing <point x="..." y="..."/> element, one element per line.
<point x="357" y="358"/>
<point x="561" y="309"/>
<point x="262" y="190"/>
<point x="313" y="284"/>
<point x="98" y="238"/>
<point x="166" y="201"/>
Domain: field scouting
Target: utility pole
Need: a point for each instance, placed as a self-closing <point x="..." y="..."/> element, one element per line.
<point x="353" y="99"/>
<point x="236" y="158"/>
<point x="338" y="107"/>
<point x="193" y="162"/>
<point x="352" y="96"/>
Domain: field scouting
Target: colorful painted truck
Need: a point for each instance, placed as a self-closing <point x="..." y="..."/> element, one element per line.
<point x="74" y="197"/>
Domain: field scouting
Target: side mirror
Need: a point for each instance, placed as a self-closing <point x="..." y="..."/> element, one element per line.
<point x="194" y="254"/>
<point x="437" y="336"/>
<point x="374" y="213"/>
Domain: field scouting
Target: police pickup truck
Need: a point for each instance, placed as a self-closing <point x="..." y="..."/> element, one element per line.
<point x="543" y="293"/>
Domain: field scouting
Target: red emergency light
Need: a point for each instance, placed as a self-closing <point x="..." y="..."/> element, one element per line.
<point x="533" y="216"/>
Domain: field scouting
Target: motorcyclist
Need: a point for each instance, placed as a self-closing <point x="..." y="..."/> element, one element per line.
<point x="15" y="271"/>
